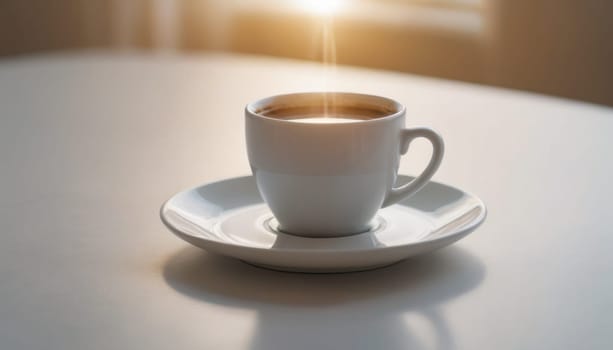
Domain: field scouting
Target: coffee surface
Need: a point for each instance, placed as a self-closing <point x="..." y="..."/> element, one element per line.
<point x="331" y="113"/>
<point x="325" y="120"/>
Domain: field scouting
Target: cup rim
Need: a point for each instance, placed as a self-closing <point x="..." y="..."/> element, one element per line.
<point x="250" y="109"/>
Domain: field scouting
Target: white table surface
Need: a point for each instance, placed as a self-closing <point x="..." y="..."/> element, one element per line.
<point x="91" y="144"/>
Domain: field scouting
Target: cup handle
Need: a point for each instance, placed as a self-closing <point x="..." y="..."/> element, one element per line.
<point x="396" y="194"/>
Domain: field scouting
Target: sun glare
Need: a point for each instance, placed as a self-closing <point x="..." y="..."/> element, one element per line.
<point x="320" y="7"/>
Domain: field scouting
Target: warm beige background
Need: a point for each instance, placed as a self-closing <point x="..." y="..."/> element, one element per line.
<point x="558" y="47"/>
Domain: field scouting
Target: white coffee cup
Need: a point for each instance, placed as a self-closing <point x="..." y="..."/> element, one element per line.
<point x="326" y="162"/>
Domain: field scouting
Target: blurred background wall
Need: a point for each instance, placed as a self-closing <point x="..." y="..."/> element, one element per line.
<point x="557" y="47"/>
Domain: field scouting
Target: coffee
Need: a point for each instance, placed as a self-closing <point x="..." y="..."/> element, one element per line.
<point x="325" y="120"/>
<point x="331" y="107"/>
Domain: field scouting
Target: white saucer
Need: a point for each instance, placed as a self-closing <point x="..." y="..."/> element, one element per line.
<point x="230" y="218"/>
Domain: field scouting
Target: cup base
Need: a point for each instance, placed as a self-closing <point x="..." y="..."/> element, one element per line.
<point x="272" y="225"/>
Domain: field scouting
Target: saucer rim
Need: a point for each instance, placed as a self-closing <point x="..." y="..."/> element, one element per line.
<point x="453" y="235"/>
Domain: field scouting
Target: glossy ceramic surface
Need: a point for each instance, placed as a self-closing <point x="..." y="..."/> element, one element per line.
<point x="230" y="218"/>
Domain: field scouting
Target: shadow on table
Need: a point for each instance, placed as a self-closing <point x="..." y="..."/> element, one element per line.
<point x="352" y="310"/>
